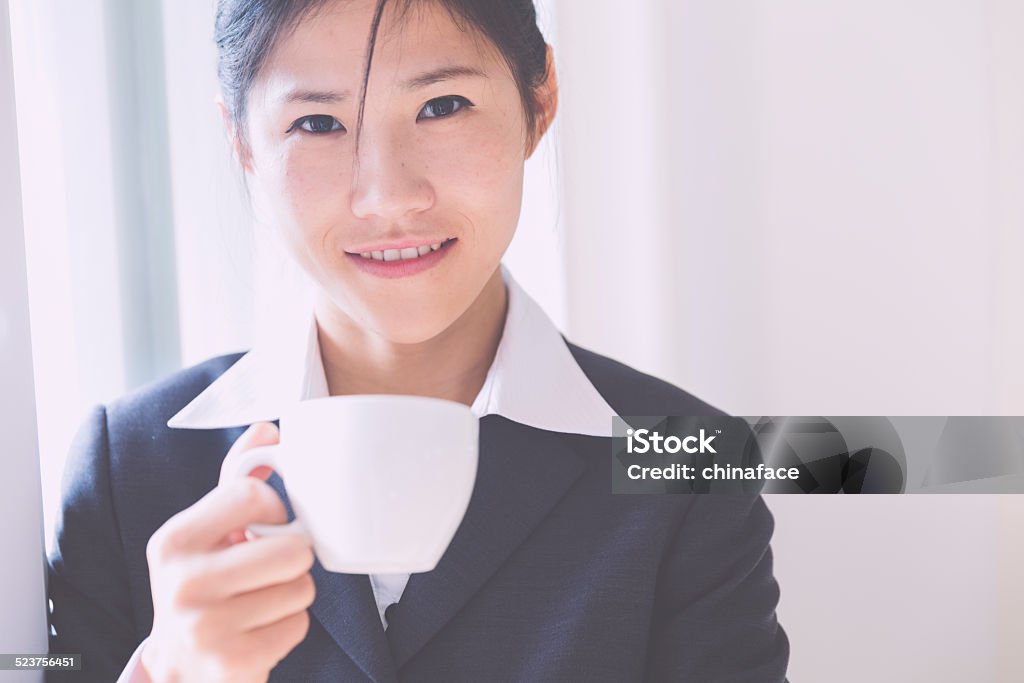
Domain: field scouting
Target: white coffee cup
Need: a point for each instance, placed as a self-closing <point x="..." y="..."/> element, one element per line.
<point x="378" y="483"/>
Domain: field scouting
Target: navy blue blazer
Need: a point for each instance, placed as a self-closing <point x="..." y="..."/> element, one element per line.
<point x="550" y="577"/>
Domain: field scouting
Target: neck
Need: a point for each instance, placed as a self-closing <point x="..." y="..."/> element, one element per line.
<point x="359" y="361"/>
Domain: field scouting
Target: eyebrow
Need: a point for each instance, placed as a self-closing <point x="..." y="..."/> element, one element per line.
<point x="421" y="81"/>
<point x="443" y="74"/>
<point x="317" y="96"/>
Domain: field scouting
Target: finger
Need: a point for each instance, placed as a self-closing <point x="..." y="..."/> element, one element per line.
<point x="261" y="472"/>
<point x="236" y="536"/>
<point x="279" y="638"/>
<point x="249" y="566"/>
<point x="262" y="606"/>
<point x="258" y="434"/>
<point x="268" y="645"/>
<point x="229" y="507"/>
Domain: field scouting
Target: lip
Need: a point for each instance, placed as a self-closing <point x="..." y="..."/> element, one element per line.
<point x="401" y="267"/>
<point x="398" y="244"/>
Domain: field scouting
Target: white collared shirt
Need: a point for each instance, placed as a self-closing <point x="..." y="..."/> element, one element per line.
<point x="533" y="380"/>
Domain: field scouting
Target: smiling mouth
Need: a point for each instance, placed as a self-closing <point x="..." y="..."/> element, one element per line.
<point x="404" y="254"/>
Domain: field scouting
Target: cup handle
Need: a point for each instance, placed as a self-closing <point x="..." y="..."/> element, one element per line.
<point x="241" y="465"/>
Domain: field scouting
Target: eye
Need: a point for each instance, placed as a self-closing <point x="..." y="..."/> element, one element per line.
<point x="318" y="124"/>
<point x="439" y="107"/>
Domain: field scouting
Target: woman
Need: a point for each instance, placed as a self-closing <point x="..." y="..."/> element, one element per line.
<point x="392" y="169"/>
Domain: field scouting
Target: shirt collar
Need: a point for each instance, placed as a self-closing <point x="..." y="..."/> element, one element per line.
<point x="533" y="380"/>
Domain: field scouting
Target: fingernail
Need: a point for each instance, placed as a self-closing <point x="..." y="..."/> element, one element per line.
<point x="261" y="428"/>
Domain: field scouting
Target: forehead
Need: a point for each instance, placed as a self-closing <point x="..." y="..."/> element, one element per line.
<point x="327" y="48"/>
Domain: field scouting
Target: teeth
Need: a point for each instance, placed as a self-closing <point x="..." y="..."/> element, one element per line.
<point x="402" y="254"/>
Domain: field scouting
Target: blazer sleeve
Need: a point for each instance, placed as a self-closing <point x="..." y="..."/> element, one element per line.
<point x="714" y="618"/>
<point x="87" y="580"/>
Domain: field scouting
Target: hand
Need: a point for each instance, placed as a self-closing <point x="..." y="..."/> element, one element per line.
<point x="227" y="608"/>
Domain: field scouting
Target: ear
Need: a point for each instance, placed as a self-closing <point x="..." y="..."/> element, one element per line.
<point x="547" y="98"/>
<point x="238" y="150"/>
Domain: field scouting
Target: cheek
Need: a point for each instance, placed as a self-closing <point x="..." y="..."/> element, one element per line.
<point x="483" y="179"/>
<point x="314" y="182"/>
<point x="307" y="192"/>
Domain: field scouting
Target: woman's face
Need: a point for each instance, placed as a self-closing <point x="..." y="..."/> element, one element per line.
<point x="440" y="161"/>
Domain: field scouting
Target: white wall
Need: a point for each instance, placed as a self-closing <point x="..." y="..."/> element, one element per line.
<point x="22" y="587"/>
<point x="1007" y="141"/>
<point x="890" y="588"/>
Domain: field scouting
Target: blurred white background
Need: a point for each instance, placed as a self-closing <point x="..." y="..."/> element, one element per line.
<point x="787" y="207"/>
<point x="23" y="617"/>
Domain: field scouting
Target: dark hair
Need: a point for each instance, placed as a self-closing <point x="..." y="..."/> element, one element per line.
<point x="247" y="30"/>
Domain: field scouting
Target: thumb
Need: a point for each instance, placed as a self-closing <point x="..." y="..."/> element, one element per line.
<point x="258" y="434"/>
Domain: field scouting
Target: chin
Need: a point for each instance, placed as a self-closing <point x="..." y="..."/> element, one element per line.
<point x="409" y="315"/>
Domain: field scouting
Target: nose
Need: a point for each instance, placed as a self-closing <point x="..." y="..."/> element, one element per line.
<point x="386" y="182"/>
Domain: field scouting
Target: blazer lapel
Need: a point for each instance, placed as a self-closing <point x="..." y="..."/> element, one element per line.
<point x="522" y="473"/>
<point x="345" y="607"/>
